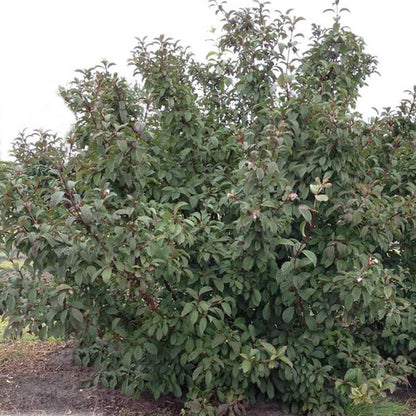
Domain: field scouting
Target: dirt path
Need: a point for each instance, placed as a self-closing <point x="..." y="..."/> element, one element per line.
<point x="40" y="378"/>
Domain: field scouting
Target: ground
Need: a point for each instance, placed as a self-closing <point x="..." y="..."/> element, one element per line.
<point x="40" y="378"/>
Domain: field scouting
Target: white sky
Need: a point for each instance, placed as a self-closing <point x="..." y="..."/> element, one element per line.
<point x="42" y="42"/>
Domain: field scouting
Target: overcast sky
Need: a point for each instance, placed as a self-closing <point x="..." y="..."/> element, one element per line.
<point x="44" y="41"/>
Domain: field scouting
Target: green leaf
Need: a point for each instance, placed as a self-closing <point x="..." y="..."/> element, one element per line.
<point x="127" y="359"/>
<point x="321" y="317"/>
<point x="281" y="351"/>
<point x="187" y="308"/>
<point x="311" y="322"/>
<point x="328" y="256"/>
<point x="315" y="188"/>
<point x="57" y="198"/>
<point x="114" y="323"/>
<point x="349" y="302"/>
<point x="341" y="248"/>
<point x="307" y="293"/>
<point x="63" y="286"/>
<point x="246" y="366"/>
<point x="11" y="303"/>
<point x="356" y="218"/>
<point x="204" y="289"/>
<point x="189" y="346"/>
<point x="321" y="198"/>
<point x="302" y="227"/>
<point x="281" y="80"/>
<point x="180" y="205"/>
<point x="226" y="308"/>
<point x="194" y="354"/>
<point x="266" y="312"/>
<point x="188" y="116"/>
<point x="208" y="378"/>
<point x="122" y="145"/>
<point x="260" y="174"/>
<point x="202" y="325"/>
<point x="270" y="390"/>
<point x="248" y="263"/>
<point x="305" y="212"/>
<point x="218" y="340"/>
<point x="252" y="331"/>
<point x="86" y="214"/>
<point x="286" y="360"/>
<point x="287" y="267"/>
<point x="388" y="291"/>
<point x="106" y="274"/>
<point x="288" y="314"/>
<point x="356" y="293"/>
<point x="256" y="297"/>
<point x="268" y="347"/>
<point x="151" y="348"/>
<point x="285" y="242"/>
<point x="77" y="315"/>
<point x="350" y="375"/>
<point x="311" y="256"/>
<point x="235" y="346"/>
<point x="194" y="316"/>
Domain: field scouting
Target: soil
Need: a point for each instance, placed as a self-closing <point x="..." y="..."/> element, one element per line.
<point x="41" y="378"/>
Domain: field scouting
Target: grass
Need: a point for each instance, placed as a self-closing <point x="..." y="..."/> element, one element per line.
<point x="3" y="325"/>
<point x="25" y="338"/>
<point x="10" y="356"/>
<point x="382" y="408"/>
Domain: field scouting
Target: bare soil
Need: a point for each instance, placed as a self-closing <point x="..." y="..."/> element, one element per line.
<point x="41" y="378"/>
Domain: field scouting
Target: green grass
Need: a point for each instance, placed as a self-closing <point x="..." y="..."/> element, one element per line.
<point x="3" y="325"/>
<point x="382" y="408"/>
<point x="25" y="338"/>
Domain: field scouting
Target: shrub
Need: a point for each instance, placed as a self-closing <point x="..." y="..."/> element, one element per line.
<point x="229" y="231"/>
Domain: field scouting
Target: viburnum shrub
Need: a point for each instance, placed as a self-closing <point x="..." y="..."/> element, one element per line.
<point x="230" y="231"/>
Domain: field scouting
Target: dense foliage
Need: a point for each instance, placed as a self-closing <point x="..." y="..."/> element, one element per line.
<point x="230" y="231"/>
